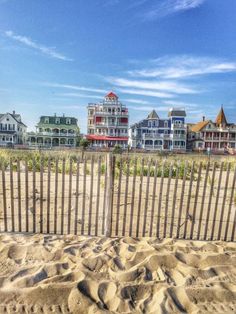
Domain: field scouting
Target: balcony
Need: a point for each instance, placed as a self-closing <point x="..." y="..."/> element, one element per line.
<point x="55" y="134"/>
<point x="106" y="113"/>
<point x="154" y="136"/>
<point x="180" y="127"/>
<point x="179" y="136"/>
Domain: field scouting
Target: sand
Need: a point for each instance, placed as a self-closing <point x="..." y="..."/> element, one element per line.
<point x="69" y="274"/>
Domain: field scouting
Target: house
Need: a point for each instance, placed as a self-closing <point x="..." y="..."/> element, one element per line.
<point x="216" y="136"/>
<point x="154" y="133"/>
<point x="108" y="122"/>
<point x="52" y="131"/>
<point x="12" y="129"/>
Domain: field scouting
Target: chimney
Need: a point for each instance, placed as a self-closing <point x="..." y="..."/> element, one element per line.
<point x="203" y="118"/>
<point x="13" y="112"/>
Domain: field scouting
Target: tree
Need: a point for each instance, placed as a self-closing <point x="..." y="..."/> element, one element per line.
<point x="78" y="137"/>
<point x="117" y="149"/>
<point x="84" y="144"/>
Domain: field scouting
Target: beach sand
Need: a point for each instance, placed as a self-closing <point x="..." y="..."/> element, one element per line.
<point x="69" y="274"/>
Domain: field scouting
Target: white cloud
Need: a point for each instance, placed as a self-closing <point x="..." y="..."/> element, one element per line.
<point x="184" y="66"/>
<point x="75" y="87"/>
<point x="172" y="87"/>
<point x="32" y="44"/>
<point x="176" y="103"/>
<point x="149" y="108"/>
<point x="144" y="92"/>
<point x="168" y="7"/>
<point x="136" y="101"/>
<point x="78" y="95"/>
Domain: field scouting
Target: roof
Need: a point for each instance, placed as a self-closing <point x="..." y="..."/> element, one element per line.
<point x="199" y="126"/>
<point x="111" y="95"/>
<point x="221" y="119"/>
<point x="16" y="117"/>
<point x="52" y="121"/>
<point x="175" y="112"/>
<point x="153" y="115"/>
<point x="106" y="138"/>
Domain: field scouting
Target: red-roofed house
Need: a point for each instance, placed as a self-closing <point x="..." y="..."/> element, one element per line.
<point x="108" y="122"/>
<point x="216" y="136"/>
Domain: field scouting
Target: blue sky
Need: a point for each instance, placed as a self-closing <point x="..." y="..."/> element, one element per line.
<point x="57" y="56"/>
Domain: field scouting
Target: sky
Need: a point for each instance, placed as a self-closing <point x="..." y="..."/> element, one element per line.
<point x="57" y="56"/>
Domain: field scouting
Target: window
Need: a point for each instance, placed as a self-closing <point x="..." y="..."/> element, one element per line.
<point x="57" y="121"/>
<point x="166" y="124"/>
<point x="68" y="121"/>
<point x="46" y="120"/>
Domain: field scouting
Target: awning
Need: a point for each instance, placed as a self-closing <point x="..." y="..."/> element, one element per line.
<point x="105" y="138"/>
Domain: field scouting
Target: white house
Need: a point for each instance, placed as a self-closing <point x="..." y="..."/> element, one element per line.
<point x="12" y="129"/>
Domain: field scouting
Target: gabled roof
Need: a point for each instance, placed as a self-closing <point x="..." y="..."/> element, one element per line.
<point x="153" y="115"/>
<point x="221" y="119"/>
<point x="199" y="126"/>
<point x="111" y="95"/>
<point x="16" y="117"/>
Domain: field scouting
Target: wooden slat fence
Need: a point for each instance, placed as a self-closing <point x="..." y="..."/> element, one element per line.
<point x="119" y="196"/>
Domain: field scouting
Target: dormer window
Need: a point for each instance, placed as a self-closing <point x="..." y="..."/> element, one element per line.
<point x="46" y="120"/>
<point x="68" y="121"/>
<point x="166" y="124"/>
<point x="57" y="121"/>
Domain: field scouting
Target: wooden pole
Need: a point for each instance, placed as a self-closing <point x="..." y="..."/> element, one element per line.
<point x="132" y="198"/>
<point x="224" y="202"/>
<point x="126" y="198"/>
<point x="12" y="196"/>
<point x="217" y="200"/>
<point x="203" y="201"/>
<point x="48" y="195"/>
<point x="160" y="200"/>
<point x="231" y="201"/>
<point x="69" y="197"/>
<point x="55" y="196"/>
<point x="19" y="195"/>
<point x="210" y="201"/>
<point x="26" y="197"/>
<point x="109" y="194"/>
<point x="189" y="200"/>
<point x="196" y="199"/>
<point x="77" y="197"/>
<point x="98" y="196"/>
<point x="91" y="197"/>
<point x="146" y="200"/>
<point x="4" y="196"/>
<point x="41" y="194"/>
<point x="140" y="198"/>
<point x="153" y="199"/>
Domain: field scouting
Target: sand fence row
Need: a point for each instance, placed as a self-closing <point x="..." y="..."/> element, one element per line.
<point x="119" y="196"/>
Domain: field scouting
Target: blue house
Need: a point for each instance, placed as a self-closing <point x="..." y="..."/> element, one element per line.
<point x="154" y="133"/>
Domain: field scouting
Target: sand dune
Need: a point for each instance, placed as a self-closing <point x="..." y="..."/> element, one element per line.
<point x="68" y="274"/>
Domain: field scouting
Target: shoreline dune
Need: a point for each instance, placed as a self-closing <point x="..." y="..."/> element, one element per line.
<point x="75" y="274"/>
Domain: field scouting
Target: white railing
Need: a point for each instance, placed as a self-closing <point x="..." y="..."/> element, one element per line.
<point x="54" y="134"/>
<point x="105" y="113"/>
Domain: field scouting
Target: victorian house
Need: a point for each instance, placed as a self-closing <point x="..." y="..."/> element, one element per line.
<point x="12" y="129"/>
<point x="108" y="122"/>
<point x="52" y="131"/>
<point x="216" y="136"/>
<point x="154" y="133"/>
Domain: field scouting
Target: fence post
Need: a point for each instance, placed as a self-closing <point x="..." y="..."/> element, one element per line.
<point x="109" y="193"/>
